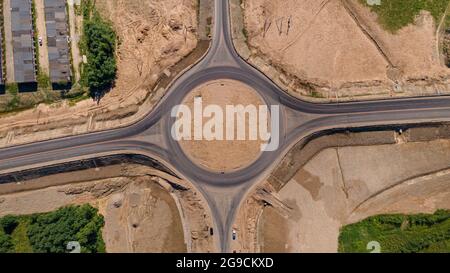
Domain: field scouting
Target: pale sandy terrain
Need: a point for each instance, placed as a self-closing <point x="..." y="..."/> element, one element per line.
<point x="328" y="192"/>
<point x="143" y="218"/>
<point x="343" y="185"/>
<point x="139" y="216"/>
<point x="42" y="32"/>
<point x="322" y="43"/>
<point x="223" y="155"/>
<point x="336" y="49"/>
<point x="143" y="213"/>
<point x="153" y="36"/>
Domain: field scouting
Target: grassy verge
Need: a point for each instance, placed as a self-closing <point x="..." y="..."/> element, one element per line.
<point x="395" y="14"/>
<point x="51" y="232"/>
<point x="35" y="37"/>
<point x="19" y="237"/>
<point x="399" y="233"/>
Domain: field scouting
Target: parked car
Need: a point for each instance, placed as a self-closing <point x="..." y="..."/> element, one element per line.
<point x="40" y="40"/>
<point x="234" y="235"/>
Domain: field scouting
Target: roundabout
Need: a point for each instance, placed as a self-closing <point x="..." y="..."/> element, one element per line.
<point x="209" y="142"/>
<point x="224" y="170"/>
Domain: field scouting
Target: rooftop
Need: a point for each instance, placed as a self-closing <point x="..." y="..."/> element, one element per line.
<point x="23" y="47"/>
<point x="58" y="44"/>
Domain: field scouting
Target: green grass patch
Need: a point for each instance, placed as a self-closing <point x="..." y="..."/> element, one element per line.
<point x="19" y="237"/>
<point x="76" y="94"/>
<point x="36" y="35"/>
<point x="51" y="232"/>
<point x="396" y="14"/>
<point x="316" y="94"/>
<point x="13" y="103"/>
<point x="399" y="233"/>
<point x="43" y="80"/>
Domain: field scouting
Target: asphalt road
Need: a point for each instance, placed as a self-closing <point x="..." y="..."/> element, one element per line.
<point x="224" y="192"/>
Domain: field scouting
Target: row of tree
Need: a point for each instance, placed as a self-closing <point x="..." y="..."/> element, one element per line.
<point x="51" y="232"/>
<point x="99" y="43"/>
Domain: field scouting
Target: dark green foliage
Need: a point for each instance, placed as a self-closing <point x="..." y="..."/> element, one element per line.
<point x="52" y="231"/>
<point x="6" y="245"/>
<point x="399" y="233"/>
<point x="9" y="223"/>
<point x="86" y="8"/>
<point x="99" y="39"/>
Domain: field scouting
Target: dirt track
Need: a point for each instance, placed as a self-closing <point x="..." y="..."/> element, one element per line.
<point x="339" y="185"/>
<point x="42" y="32"/>
<point x="143" y="212"/>
<point x="75" y="25"/>
<point x="336" y="50"/>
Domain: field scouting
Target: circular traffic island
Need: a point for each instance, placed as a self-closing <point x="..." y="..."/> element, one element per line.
<point x="221" y="128"/>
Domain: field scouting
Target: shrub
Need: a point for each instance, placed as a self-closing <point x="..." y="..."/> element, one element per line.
<point x="6" y="246"/>
<point x="9" y="224"/>
<point x="51" y="232"/>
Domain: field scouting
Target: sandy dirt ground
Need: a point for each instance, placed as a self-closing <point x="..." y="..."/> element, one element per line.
<point x="143" y="213"/>
<point x="42" y="32"/>
<point x="75" y="28"/>
<point x="343" y="185"/>
<point x="223" y="155"/>
<point x="153" y="37"/>
<point x="144" y="218"/>
<point x="335" y="49"/>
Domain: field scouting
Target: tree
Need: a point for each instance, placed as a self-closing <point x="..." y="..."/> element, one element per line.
<point x="9" y="224"/>
<point x="6" y="245"/>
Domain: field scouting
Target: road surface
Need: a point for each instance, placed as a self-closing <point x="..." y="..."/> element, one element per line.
<point x="224" y="192"/>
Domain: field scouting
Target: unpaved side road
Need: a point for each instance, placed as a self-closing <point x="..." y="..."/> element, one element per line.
<point x="145" y="210"/>
<point x="75" y="23"/>
<point x="342" y="178"/>
<point x="42" y="33"/>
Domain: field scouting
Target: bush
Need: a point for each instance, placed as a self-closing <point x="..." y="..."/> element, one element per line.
<point x="51" y="232"/>
<point x="100" y="70"/>
<point x="6" y="245"/>
<point x="9" y="224"/>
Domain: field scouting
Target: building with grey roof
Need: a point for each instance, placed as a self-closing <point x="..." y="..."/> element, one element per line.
<point x="58" y="43"/>
<point x="2" y="78"/>
<point x="23" y="45"/>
